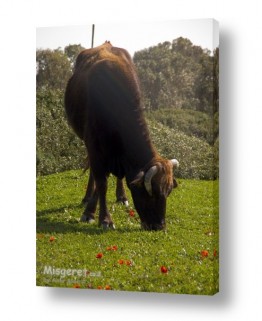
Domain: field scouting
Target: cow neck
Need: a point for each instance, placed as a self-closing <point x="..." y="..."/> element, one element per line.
<point x="140" y="157"/>
<point x="138" y="148"/>
<point x="140" y="153"/>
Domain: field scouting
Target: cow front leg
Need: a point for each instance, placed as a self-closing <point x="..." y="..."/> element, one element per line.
<point x="105" y="219"/>
<point x="90" y="189"/>
<point x="89" y="213"/>
<point x="120" y="192"/>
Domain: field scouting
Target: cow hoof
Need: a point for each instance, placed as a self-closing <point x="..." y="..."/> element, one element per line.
<point x="112" y="226"/>
<point x="108" y="226"/>
<point x="89" y="220"/>
<point x="105" y="226"/>
<point x="123" y="201"/>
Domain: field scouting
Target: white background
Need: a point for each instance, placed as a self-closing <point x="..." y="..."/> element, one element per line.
<point x="241" y="179"/>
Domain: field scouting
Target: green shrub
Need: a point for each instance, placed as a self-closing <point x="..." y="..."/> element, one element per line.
<point x="216" y="157"/>
<point x="190" y="122"/>
<point x="59" y="149"/>
<point x="196" y="157"/>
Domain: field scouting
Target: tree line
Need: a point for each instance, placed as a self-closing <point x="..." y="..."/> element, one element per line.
<point x="173" y="74"/>
<point x="179" y="75"/>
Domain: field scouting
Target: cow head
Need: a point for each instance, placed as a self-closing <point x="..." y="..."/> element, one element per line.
<point x="150" y="190"/>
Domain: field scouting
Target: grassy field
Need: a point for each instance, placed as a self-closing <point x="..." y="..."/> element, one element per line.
<point x="183" y="259"/>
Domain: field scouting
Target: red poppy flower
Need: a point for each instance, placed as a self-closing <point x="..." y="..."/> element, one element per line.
<point x="121" y="262"/>
<point x="52" y="238"/>
<point x="99" y="255"/>
<point x="107" y="287"/>
<point x="204" y="253"/>
<point x="114" y="248"/>
<point x="131" y="213"/>
<point x="99" y="287"/>
<point x="215" y="253"/>
<point x="76" y="286"/>
<point x="163" y="269"/>
<point x="128" y="262"/>
<point x="109" y="248"/>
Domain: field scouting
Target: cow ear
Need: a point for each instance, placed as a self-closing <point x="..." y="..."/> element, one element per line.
<point x="174" y="183"/>
<point x="139" y="179"/>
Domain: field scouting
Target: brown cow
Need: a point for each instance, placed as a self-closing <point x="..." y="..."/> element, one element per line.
<point x="103" y="105"/>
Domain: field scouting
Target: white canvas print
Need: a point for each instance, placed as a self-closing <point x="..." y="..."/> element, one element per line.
<point x="128" y="157"/>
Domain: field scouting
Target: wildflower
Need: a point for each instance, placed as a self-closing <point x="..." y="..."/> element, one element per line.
<point x="128" y="262"/>
<point x="52" y="238"/>
<point x="131" y="213"/>
<point x="99" y="255"/>
<point x="163" y="269"/>
<point x="204" y="253"/>
<point x="121" y="262"/>
<point x="107" y="287"/>
<point x="99" y="287"/>
<point x="112" y="248"/>
<point x="76" y="286"/>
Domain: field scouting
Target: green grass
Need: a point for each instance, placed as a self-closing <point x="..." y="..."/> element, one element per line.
<point x="192" y="226"/>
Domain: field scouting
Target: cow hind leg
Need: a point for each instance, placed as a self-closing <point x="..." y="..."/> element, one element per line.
<point x="120" y="192"/>
<point x="89" y="213"/>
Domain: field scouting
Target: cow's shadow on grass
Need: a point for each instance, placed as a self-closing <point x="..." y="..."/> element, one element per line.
<point x="45" y="224"/>
<point x="57" y="210"/>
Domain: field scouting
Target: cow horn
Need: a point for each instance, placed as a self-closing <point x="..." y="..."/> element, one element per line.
<point x="148" y="177"/>
<point x="175" y="162"/>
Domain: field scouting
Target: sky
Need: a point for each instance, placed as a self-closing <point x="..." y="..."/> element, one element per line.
<point x="131" y="36"/>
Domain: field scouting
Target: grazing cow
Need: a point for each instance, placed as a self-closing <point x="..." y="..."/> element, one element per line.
<point x="103" y="106"/>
